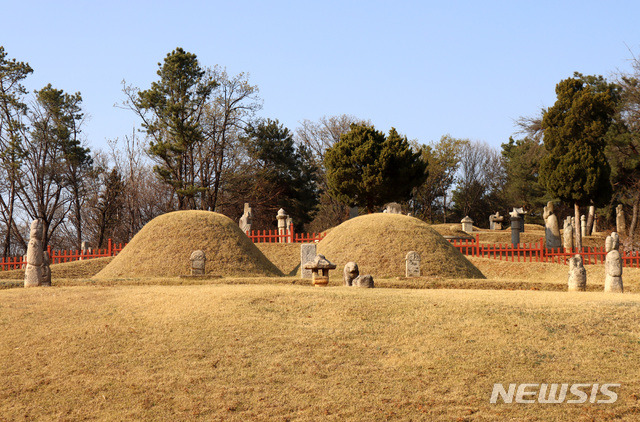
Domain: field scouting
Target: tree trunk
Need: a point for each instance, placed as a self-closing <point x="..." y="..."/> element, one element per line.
<point x="578" y="228"/>
<point x="444" y="207"/>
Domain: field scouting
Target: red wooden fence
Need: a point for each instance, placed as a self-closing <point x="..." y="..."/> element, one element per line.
<point x="56" y="257"/>
<point x="536" y="252"/>
<point x="286" y="236"/>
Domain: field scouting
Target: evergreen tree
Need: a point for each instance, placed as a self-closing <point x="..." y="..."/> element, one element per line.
<point x="285" y="174"/>
<point x="171" y="111"/>
<point x="575" y="170"/>
<point x="367" y="169"/>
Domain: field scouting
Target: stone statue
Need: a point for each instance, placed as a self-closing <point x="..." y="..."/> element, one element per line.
<point x="552" y="232"/>
<point x="246" y="219"/>
<point x="37" y="272"/>
<point x="577" y="275"/>
<point x="567" y="235"/>
<point x="613" y="265"/>
<point x="350" y="273"/>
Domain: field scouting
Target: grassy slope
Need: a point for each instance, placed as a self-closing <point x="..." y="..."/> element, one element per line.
<point x="290" y="352"/>
<point x="379" y="244"/>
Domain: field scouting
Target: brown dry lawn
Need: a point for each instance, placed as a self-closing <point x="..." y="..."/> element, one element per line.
<point x="268" y="352"/>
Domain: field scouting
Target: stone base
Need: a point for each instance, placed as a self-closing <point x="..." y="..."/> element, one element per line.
<point x="613" y="284"/>
<point x="320" y="281"/>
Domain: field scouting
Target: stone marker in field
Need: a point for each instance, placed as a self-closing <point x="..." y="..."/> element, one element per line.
<point x="412" y="264"/>
<point x="353" y="212"/>
<point x="198" y="261"/>
<point x="552" y="232"/>
<point x="495" y="221"/>
<point x="577" y="275"/>
<point x="567" y="235"/>
<point x="583" y="225"/>
<point x="365" y="281"/>
<point x="467" y="225"/>
<point x="350" y="273"/>
<point x="37" y="267"/>
<point x="621" y="225"/>
<point x="307" y="254"/>
<point x="322" y="265"/>
<point x="515" y="227"/>
<point x="282" y="225"/>
<point x="613" y="265"/>
<point x="246" y="219"/>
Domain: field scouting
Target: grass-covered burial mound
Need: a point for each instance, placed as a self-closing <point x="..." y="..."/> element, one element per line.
<point x="163" y="246"/>
<point x="379" y="243"/>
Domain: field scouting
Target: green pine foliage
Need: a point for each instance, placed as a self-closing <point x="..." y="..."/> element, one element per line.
<point x="575" y="170"/>
<point x="367" y="169"/>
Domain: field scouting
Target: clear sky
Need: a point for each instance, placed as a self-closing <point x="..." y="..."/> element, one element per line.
<point x="465" y="68"/>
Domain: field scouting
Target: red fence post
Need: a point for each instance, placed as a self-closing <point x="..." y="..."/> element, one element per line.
<point x="109" y="247"/>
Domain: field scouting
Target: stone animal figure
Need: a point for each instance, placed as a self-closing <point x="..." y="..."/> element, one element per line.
<point x="350" y="273"/>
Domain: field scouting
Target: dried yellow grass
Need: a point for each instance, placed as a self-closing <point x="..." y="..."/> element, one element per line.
<point x="379" y="243"/>
<point x="243" y="353"/>
<point x="163" y="246"/>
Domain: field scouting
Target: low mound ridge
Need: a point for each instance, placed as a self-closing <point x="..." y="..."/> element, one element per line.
<point x="162" y="248"/>
<point x="379" y="243"/>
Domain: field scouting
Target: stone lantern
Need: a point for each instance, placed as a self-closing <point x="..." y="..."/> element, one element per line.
<point x="320" y="264"/>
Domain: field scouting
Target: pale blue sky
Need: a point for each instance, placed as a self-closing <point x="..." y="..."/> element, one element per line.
<point x="427" y="68"/>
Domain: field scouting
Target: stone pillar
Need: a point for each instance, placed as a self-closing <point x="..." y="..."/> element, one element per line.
<point x="37" y="272"/>
<point x="515" y="228"/>
<point x="591" y="220"/>
<point x="282" y="225"/>
<point x="289" y="224"/>
<point x="577" y="275"/>
<point x="412" y="264"/>
<point x="613" y="265"/>
<point x="583" y="225"/>
<point x="353" y="212"/>
<point x="621" y="225"/>
<point x="307" y="254"/>
<point x="246" y="219"/>
<point x="467" y="225"/>
<point x="521" y="213"/>
<point x="595" y="224"/>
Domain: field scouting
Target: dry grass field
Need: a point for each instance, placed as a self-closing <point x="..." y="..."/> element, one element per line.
<point x="266" y="352"/>
<point x="275" y="348"/>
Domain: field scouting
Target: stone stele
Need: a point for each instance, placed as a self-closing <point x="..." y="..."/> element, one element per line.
<point x="412" y="264"/>
<point x="198" y="262"/>
<point x="308" y="252"/>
